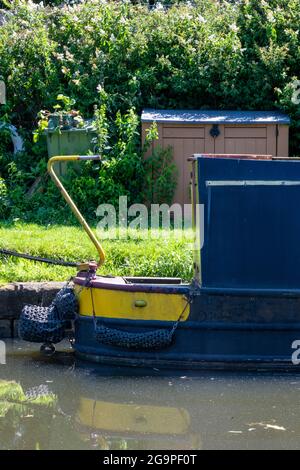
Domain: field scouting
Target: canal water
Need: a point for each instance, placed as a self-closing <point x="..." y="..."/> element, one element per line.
<point x="60" y="403"/>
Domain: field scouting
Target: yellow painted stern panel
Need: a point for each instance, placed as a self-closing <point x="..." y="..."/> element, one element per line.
<point x="132" y="305"/>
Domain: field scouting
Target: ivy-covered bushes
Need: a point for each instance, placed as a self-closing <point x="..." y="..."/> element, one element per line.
<point x="208" y="54"/>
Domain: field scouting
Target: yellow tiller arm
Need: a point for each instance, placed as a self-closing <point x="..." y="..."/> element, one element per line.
<point x="75" y="210"/>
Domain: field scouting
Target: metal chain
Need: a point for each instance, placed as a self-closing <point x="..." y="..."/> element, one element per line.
<point x="175" y="326"/>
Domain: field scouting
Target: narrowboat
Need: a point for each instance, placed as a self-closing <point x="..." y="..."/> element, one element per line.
<point x="242" y="308"/>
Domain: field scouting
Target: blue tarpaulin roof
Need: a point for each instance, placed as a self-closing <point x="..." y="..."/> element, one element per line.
<point x="214" y="117"/>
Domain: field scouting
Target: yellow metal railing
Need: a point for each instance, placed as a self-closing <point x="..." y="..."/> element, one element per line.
<point x="69" y="200"/>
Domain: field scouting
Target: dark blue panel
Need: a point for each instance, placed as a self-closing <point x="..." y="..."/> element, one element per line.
<point x="252" y="231"/>
<point x="195" y="343"/>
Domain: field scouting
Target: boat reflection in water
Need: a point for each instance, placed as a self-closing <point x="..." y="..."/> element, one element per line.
<point x="60" y="403"/>
<point x="121" y="425"/>
<point x="26" y="421"/>
<point x="79" y="408"/>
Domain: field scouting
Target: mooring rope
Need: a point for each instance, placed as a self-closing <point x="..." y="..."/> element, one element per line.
<point x="38" y="258"/>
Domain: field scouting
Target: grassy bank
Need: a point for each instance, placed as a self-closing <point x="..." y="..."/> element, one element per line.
<point x="134" y="256"/>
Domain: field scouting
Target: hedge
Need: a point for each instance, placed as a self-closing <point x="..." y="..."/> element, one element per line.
<point x="206" y="55"/>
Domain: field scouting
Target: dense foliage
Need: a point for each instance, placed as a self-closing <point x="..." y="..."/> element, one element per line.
<point x="209" y="54"/>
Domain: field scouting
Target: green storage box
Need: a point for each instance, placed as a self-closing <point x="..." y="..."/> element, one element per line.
<point x="73" y="141"/>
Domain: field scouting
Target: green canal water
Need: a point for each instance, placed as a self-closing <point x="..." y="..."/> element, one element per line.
<point x="60" y="403"/>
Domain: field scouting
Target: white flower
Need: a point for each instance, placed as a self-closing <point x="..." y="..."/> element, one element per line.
<point x="59" y="56"/>
<point x="159" y="6"/>
<point x="201" y="19"/>
<point x="69" y="56"/>
<point x="234" y="27"/>
<point x="187" y="16"/>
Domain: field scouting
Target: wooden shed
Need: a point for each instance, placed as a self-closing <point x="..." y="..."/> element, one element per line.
<point x="233" y="132"/>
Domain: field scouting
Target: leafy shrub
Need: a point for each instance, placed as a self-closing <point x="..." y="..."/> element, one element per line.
<point x="161" y="176"/>
<point x="214" y="54"/>
<point x="211" y="54"/>
<point x="3" y="199"/>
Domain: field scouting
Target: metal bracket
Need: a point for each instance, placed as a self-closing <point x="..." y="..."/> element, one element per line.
<point x="215" y="131"/>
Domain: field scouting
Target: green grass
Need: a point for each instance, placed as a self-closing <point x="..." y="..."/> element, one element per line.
<point x="133" y="256"/>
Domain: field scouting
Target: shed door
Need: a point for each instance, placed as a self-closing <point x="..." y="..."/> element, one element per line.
<point x="185" y="141"/>
<point x="247" y="139"/>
